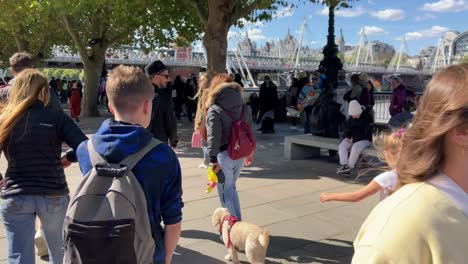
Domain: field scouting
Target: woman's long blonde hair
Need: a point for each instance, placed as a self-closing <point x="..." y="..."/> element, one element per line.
<point x="443" y="107"/>
<point x="30" y="85"/>
<point x="199" y="123"/>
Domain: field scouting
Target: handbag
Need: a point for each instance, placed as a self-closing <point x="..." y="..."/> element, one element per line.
<point x="197" y="140"/>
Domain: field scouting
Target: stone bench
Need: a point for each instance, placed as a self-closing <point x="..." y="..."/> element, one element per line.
<point x="299" y="147"/>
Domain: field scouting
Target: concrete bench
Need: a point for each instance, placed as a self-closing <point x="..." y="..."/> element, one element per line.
<point x="308" y="146"/>
<point x="299" y="147"/>
<point x="304" y="146"/>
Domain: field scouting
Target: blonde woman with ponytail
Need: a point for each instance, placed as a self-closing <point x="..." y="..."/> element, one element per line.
<point x="31" y="136"/>
<point x="426" y="219"/>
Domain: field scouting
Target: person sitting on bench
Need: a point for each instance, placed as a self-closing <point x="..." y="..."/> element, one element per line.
<point x="357" y="136"/>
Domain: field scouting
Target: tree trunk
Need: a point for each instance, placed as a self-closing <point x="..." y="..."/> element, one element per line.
<point x="215" y="38"/>
<point x="92" y="68"/>
<point x="21" y="44"/>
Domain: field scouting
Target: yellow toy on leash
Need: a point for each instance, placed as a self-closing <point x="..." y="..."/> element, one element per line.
<point x="212" y="180"/>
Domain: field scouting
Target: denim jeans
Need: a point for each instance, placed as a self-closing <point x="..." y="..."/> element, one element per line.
<point x="307" y="112"/>
<point x="206" y="156"/>
<point x="19" y="217"/>
<point x="227" y="190"/>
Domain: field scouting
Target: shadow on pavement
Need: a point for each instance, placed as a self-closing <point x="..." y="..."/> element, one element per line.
<point x="185" y="255"/>
<point x="293" y="250"/>
<point x="296" y="250"/>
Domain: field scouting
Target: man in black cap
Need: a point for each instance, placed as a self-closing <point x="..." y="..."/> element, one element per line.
<point x="163" y="124"/>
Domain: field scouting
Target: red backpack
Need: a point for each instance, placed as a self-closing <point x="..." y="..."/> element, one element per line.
<point x="242" y="142"/>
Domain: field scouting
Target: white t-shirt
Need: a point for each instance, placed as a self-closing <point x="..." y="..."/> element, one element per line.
<point x="454" y="192"/>
<point x="388" y="181"/>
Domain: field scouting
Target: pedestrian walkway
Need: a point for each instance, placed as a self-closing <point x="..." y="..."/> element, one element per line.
<point x="275" y="193"/>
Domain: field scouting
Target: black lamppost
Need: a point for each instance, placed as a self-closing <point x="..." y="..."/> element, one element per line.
<point x="330" y="61"/>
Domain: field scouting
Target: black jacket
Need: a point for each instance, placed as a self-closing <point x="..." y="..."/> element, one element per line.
<point x="268" y="96"/>
<point x="163" y="124"/>
<point x="360" y="128"/>
<point x="33" y="152"/>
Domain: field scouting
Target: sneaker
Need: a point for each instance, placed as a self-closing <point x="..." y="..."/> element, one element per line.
<point x="77" y="120"/>
<point x="203" y="166"/>
<point x="41" y="245"/>
<point x="343" y="169"/>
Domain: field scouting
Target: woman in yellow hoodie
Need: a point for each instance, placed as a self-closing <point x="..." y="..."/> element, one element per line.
<point x="426" y="220"/>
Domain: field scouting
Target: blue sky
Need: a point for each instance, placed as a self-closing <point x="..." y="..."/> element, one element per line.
<point x="421" y="21"/>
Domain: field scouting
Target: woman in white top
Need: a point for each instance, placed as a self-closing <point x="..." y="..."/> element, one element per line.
<point x="390" y="146"/>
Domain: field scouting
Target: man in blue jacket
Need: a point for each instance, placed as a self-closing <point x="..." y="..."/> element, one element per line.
<point x="130" y="96"/>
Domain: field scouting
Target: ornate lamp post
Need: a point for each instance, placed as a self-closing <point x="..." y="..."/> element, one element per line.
<point x="330" y="61"/>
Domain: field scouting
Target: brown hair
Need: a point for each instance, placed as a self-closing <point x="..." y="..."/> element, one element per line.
<point x="30" y="85"/>
<point x="21" y="61"/>
<point x="443" y="107"/>
<point x="127" y="88"/>
<point x="201" y="111"/>
<point x="218" y="79"/>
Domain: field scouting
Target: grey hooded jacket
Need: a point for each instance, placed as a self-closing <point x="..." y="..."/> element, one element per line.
<point x="226" y="97"/>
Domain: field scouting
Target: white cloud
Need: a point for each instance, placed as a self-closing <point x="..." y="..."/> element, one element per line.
<point x="344" y="12"/>
<point x="256" y="34"/>
<point x="373" y="30"/>
<point x="432" y="32"/>
<point x="249" y="24"/>
<point x="389" y="14"/>
<point x="424" y="17"/>
<point x="446" y="6"/>
<point x="371" y="2"/>
<point x="284" y="12"/>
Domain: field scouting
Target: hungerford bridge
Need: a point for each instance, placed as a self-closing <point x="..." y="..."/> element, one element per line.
<point x="250" y="67"/>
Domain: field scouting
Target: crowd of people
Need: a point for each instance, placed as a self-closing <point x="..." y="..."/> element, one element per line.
<point x="425" y="186"/>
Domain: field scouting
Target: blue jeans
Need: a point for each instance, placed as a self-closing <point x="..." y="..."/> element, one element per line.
<point x="227" y="190"/>
<point x="206" y="156"/>
<point x="19" y="217"/>
<point x="307" y="113"/>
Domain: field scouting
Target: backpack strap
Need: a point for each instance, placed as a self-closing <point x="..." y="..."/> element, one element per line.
<point x="129" y="161"/>
<point x="95" y="157"/>
<point x="230" y="115"/>
<point x="133" y="159"/>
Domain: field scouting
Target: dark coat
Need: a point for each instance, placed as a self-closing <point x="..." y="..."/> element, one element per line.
<point x="268" y="96"/>
<point x="163" y="124"/>
<point x="360" y="128"/>
<point x="34" y="149"/>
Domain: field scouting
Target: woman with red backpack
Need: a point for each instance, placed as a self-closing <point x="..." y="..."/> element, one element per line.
<point x="226" y="113"/>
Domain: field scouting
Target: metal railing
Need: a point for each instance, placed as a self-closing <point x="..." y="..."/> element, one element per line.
<point x="382" y="106"/>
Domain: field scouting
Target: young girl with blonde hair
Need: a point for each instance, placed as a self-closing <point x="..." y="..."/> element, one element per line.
<point x="389" y="146"/>
<point x="426" y="219"/>
<point x="31" y="137"/>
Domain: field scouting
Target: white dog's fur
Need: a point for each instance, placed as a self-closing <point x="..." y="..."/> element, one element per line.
<point x="244" y="236"/>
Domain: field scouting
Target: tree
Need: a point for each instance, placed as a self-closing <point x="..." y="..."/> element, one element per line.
<point x="96" y="25"/>
<point x="217" y="17"/>
<point x="27" y="26"/>
<point x="330" y="60"/>
<point x="465" y="59"/>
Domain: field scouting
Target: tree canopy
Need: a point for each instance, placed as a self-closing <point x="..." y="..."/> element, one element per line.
<point x="95" y="25"/>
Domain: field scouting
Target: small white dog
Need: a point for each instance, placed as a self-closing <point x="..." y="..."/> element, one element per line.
<point x="242" y="236"/>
